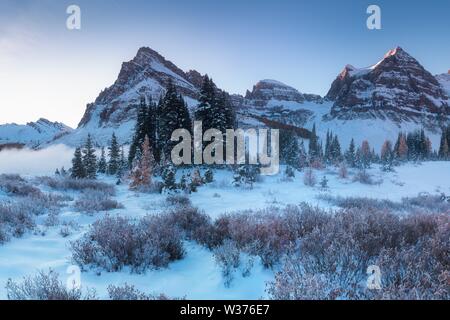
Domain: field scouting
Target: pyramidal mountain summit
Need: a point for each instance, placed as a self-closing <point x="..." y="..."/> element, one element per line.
<point x="393" y="95"/>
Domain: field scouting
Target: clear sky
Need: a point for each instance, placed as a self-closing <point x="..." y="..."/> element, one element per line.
<point x="48" y="71"/>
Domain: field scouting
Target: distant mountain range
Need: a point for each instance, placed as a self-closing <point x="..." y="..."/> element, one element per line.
<point x="373" y="103"/>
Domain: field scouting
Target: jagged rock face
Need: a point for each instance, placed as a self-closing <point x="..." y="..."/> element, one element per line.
<point x="33" y="134"/>
<point x="444" y="80"/>
<point x="266" y="90"/>
<point x="146" y="75"/>
<point x="397" y="88"/>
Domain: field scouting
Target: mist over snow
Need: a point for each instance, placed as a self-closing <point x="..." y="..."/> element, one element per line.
<point x="36" y="162"/>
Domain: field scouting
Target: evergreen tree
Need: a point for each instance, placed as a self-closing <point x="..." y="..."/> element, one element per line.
<point x="314" y="146"/>
<point x="209" y="176"/>
<point x="78" y="171"/>
<point x="245" y="175"/>
<point x="206" y="108"/>
<point x="173" y="115"/>
<point x="350" y="155"/>
<point x="168" y="176"/>
<point x="289" y="148"/>
<point x="114" y="156"/>
<point x="139" y="131"/>
<point x="324" y="183"/>
<point x="335" y="149"/>
<point x="89" y="159"/>
<point x="289" y="172"/>
<point x="328" y="147"/>
<point x="444" y="145"/>
<point x="123" y="162"/>
<point x="102" y="164"/>
<point x="183" y="183"/>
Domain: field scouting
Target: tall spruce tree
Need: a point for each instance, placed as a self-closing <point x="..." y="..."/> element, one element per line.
<point x="314" y="149"/>
<point x="114" y="156"/>
<point x="78" y="171"/>
<point x="89" y="159"/>
<point x="139" y="130"/>
<point x="350" y="155"/>
<point x="205" y="109"/>
<point x="289" y="148"/>
<point x="444" y="146"/>
<point x="173" y="115"/>
<point x="102" y="164"/>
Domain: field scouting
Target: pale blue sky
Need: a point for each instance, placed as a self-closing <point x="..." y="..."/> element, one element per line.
<point x="48" y="71"/>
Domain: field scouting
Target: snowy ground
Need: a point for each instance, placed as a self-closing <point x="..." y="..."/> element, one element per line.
<point x="197" y="276"/>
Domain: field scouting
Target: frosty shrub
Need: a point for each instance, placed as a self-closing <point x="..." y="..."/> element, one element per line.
<point x="95" y="201"/>
<point x="429" y="203"/>
<point x="178" y="200"/>
<point x="263" y="233"/>
<point x="45" y="286"/>
<point x="309" y="178"/>
<point x="115" y="242"/>
<point x="330" y="261"/>
<point x="15" y="220"/>
<point x="364" y="177"/>
<point x="195" y="225"/>
<point x="67" y="183"/>
<point x="130" y="293"/>
<point x="17" y="186"/>
<point x="227" y="256"/>
<point x="361" y="203"/>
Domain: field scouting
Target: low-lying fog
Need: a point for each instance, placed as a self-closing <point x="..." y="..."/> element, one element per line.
<point x="35" y="162"/>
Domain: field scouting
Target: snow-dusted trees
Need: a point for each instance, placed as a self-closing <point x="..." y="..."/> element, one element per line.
<point x="214" y="109"/>
<point x="419" y="145"/>
<point x="169" y="178"/>
<point x="444" y="147"/>
<point x="114" y="156"/>
<point x="78" y="171"/>
<point x="365" y="155"/>
<point x="315" y="148"/>
<point x="173" y="114"/>
<point x="289" y="148"/>
<point x="102" y="165"/>
<point x="350" y="154"/>
<point x="332" y="148"/>
<point x="89" y="159"/>
<point x="245" y="175"/>
<point x="145" y="126"/>
<point x="141" y="175"/>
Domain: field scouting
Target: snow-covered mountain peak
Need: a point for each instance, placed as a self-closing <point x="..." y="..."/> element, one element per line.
<point x="268" y="89"/>
<point x="33" y="134"/>
<point x="398" y="88"/>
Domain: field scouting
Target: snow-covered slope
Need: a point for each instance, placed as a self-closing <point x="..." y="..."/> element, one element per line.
<point x="444" y="80"/>
<point x="33" y="134"/>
